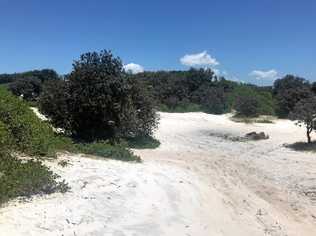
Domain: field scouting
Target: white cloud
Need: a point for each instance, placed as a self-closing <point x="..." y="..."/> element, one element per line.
<point x="269" y="74"/>
<point x="133" y="68"/>
<point x="199" y="59"/>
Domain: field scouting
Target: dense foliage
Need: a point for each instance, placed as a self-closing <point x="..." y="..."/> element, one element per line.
<point x="42" y="75"/>
<point x="99" y="101"/>
<point x="304" y="113"/>
<point x="22" y="132"/>
<point x="247" y="106"/>
<point x="202" y="90"/>
<point x="28" y="84"/>
<point x="289" y="91"/>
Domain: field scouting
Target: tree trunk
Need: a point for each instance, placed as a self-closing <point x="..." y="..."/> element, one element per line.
<point x="308" y="132"/>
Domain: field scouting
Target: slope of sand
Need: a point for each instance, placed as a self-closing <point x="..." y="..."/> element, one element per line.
<point x="198" y="182"/>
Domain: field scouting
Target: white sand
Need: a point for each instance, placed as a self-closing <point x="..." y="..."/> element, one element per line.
<point x="196" y="183"/>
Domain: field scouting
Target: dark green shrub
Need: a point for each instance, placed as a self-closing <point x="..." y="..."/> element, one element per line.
<point x="143" y="142"/>
<point x="181" y="108"/>
<point x="249" y="101"/>
<point x="6" y="141"/>
<point x="99" y="101"/>
<point x="107" y="150"/>
<point x="247" y="106"/>
<point x="289" y="91"/>
<point x="53" y="103"/>
<point x="304" y="113"/>
<point x="214" y="100"/>
<point x="28" y="88"/>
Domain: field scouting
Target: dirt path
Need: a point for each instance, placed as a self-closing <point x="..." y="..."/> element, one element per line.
<point x="197" y="183"/>
<point x="269" y="189"/>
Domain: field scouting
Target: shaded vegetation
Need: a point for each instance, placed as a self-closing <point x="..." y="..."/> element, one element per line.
<point x="143" y="142"/>
<point x="107" y="150"/>
<point x="303" y="146"/>
<point x="28" y="84"/>
<point x="201" y="90"/>
<point x="99" y="101"/>
<point x="288" y="91"/>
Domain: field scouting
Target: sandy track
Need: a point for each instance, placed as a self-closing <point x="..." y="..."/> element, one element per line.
<point x="196" y="183"/>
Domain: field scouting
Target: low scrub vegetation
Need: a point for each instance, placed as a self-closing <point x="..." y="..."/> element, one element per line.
<point x="25" y="178"/>
<point x="303" y="146"/>
<point x="27" y="133"/>
<point x="142" y="142"/>
<point x="107" y="150"/>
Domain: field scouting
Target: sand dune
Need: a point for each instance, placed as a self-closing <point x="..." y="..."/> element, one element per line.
<point x="199" y="182"/>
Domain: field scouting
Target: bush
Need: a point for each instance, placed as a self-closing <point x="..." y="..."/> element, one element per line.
<point x="107" y="150"/>
<point x="143" y="142"/>
<point x="25" y="178"/>
<point x="289" y="91"/>
<point x="249" y="101"/>
<point x="213" y="100"/>
<point x="181" y="108"/>
<point x="28" y="134"/>
<point x="247" y="106"/>
<point x="53" y="103"/>
<point x="6" y="140"/>
<point x="99" y="101"/>
<point x="29" y="88"/>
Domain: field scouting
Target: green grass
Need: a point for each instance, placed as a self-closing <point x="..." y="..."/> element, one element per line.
<point x="145" y="142"/>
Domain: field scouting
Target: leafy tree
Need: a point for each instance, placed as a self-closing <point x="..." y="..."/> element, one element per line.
<point x="99" y="101"/>
<point x="288" y="91"/>
<point x="28" y="88"/>
<point x="304" y="113"/>
<point x="42" y="75"/>
<point x="249" y="101"/>
<point x="212" y="99"/>
<point x="247" y="106"/>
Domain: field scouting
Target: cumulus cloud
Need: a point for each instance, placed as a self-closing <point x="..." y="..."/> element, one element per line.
<point x="199" y="59"/>
<point x="133" y="68"/>
<point x="260" y="74"/>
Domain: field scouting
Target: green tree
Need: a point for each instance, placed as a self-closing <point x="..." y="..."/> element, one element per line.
<point x="304" y="113"/>
<point x="28" y="88"/>
<point x="98" y="100"/>
<point x="247" y="106"/>
<point x="288" y="91"/>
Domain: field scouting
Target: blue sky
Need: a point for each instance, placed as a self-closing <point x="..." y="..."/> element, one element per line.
<point x="249" y="40"/>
